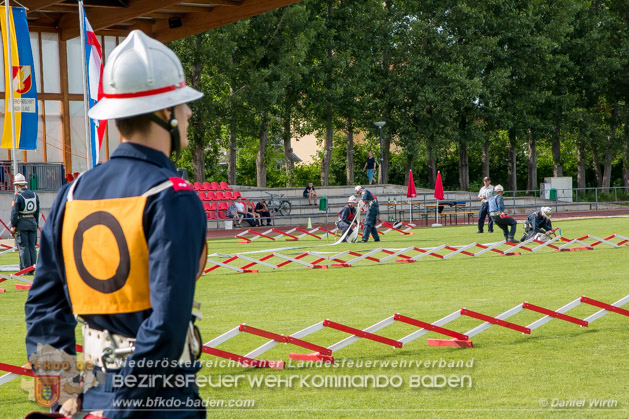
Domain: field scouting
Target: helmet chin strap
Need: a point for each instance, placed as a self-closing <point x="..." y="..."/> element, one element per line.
<point x="172" y="126"/>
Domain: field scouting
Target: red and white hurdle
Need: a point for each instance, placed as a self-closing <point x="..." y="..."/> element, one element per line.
<point x="462" y="340"/>
<point x="25" y="283"/>
<point x="318" y="260"/>
<point x="293" y="234"/>
<point x="325" y="354"/>
<point x="298" y="233"/>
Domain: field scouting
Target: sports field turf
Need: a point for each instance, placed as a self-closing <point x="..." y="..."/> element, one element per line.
<point x="560" y="367"/>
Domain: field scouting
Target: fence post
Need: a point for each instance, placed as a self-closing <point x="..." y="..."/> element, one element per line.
<point x="514" y="192"/>
<point x="596" y="197"/>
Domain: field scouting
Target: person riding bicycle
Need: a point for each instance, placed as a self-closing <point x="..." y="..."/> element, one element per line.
<point x="347" y="216"/>
<point x="538" y="224"/>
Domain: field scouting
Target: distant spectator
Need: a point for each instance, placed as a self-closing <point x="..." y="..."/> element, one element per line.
<point x="310" y="193"/>
<point x="263" y="210"/>
<point x="243" y="212"/>
<point x="370" y="166"/>
<point x="232" y="212"/>
<point x="485" y="195"/>
<point x="251" y="210"/>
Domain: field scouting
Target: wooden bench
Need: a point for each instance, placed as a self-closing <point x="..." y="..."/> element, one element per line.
<point x="453" y="212"/>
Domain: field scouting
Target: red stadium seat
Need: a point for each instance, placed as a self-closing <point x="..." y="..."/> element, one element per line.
<point x="211" y="215"/>
<point x="198" y="186"/>
<point x="236" y="195"/>
<point x="225" y="186"/>
<point x="222" y="206"/>
<point x="207" y="206"/>
<point x="215" y="186"/>
<point x="207" y="186"/>
<point x="202" y="196"/>
<point x="211" y="196"/>
<point x="228" y="195"/>
<point x="220" y="196"/>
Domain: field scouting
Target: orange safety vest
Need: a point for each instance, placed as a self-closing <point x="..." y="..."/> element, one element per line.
<point x="106" y="253"/>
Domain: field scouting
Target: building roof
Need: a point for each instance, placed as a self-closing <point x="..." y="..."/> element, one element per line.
<point x="166" y="20"/>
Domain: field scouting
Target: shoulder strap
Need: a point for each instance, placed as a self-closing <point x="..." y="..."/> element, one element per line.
<point x="153" y="191"/>
<point x="70" y="195"/>
<point x="160" y="187"/>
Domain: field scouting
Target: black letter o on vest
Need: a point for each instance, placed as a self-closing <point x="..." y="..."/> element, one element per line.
<point x="117" y="281"/>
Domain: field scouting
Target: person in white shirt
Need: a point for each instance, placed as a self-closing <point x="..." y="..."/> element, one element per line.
<point x="242" y="211"/>
<point x="485" y="193"/>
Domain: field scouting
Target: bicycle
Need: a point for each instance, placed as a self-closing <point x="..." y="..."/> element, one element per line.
<point x="276" y="205"/>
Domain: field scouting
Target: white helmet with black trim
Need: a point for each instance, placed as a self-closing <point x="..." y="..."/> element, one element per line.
<point x="499" y="188"/>
<point x="546" y="211"/>
<point x="351" y="199"/>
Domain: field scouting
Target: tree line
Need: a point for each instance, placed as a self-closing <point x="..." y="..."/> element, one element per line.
<point x="515" y="89"/>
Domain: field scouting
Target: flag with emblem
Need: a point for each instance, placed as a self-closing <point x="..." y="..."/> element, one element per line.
<point x="94" y="61"/>
<point x="20" y="78"/>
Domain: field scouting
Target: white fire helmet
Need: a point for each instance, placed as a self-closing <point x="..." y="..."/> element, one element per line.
<point x="141" y="76"/>
<point x="358" y="188"/>
<point x="499" y="188"/>
<point x="351" y="200"/>
<point x="19" y="179"/>
<point x="547" y="212"/>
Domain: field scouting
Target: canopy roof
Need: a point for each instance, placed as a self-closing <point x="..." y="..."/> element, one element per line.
<point x="166" y="20"/>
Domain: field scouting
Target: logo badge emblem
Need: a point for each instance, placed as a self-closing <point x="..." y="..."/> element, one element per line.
<point x="47" y="389"/>
<point x="22" y="79"/>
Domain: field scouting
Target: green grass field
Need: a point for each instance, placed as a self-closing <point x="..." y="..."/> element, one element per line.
<point x="557" y="368"/>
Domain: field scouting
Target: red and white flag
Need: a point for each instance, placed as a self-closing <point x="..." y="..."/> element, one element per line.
<point x="94" y="58"/>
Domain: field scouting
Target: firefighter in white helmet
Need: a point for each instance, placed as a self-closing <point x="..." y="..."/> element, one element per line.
<point x="498" y="213"/>
<point x="538" y="225"/>
<point x="347" y="216"/>
<point x="370" y="201"/>
<point x="124" y="244"/>
<point x="24" y="222"/>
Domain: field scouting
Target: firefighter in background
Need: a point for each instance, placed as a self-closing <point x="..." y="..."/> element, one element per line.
<point x="538" y="224"/>
<point x="498" y="213"/>
<point x="24" y="222"/>
<point x="369" y="200"/>
<point x="346" y="217"/>
<point x="123" y="247"/>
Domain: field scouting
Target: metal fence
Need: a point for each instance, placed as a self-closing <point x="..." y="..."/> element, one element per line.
<point x="40" y="176"/>
<point x="522" y="200"/>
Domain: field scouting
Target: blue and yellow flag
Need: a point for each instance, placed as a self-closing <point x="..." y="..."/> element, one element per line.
<point x="22" y="80"/>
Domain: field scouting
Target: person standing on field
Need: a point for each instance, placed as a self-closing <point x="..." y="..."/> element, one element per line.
<point x="24" y="222"/>
<point x="368" y="200"/>
<point x="484" y="195"/>
<point x="123" y="247"/>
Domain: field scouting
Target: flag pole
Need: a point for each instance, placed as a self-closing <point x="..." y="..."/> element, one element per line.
<point x="86" y="104"/>
<point x="11" y="95"/>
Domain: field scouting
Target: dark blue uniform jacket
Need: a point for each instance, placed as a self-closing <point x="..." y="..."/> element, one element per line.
<point x="175" y="228"/>
<point x="20" y="221"/>
<point x="539" y="223"/>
